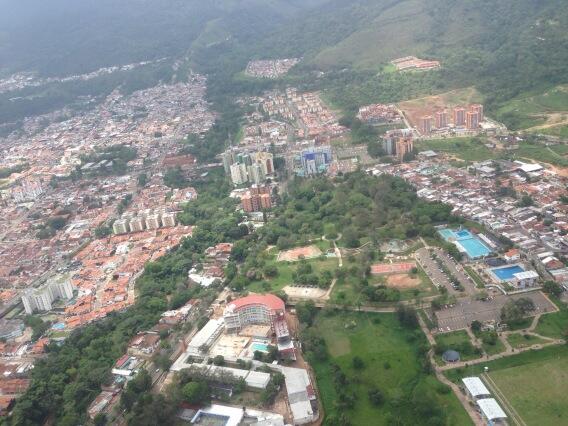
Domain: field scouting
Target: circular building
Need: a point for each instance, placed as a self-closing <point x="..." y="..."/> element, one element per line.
<point x="451" y="356"/>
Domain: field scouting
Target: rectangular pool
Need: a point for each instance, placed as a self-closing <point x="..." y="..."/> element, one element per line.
<point x="261" y="347"/>
<point x="466" y="242"/>
<point x="507" y="273"/>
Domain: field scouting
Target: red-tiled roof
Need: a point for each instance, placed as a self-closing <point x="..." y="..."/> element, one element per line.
<point x="270" y="301"/>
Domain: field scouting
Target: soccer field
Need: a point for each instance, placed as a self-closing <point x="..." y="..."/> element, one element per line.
<point x="537" y="391"/>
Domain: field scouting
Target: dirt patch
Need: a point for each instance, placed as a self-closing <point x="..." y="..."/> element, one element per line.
<point x="304" y="292"/>
<point x="298" y="253"/>
<point x="403" y="281"/>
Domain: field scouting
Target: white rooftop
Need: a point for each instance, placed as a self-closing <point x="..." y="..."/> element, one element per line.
<point x="526" y="275"/>
<point x="491" y="409"/>
<point x="475" y="386"/>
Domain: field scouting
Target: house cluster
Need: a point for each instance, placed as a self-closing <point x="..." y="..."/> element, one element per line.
<point x="378" y="114"/>
<point x="212" y="270"/>
<point x="414" y="63"/>
<point x="518" y="202"/>
<point x="272" y="68"/>
<point x="107" y="269"/>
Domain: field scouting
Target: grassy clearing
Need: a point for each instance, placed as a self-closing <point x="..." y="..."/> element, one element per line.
<point x="391" y="364"/>
<point x="495" y="349"/>
<point x="519" y="340"/>
<point x="561" y="131"/>
<point x="521" y="325"/>
<point x="286" y="271"/>
<point x="553" y="325"/>
<point x="458" y="341"/>
<point x="542" y="153"/>
<point x="468" y="149"/>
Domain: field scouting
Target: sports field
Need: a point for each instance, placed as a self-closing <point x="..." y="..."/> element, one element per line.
<point x="392" y="268"/>
<point x="538" y="392"/>
<point x="298" y="253"/>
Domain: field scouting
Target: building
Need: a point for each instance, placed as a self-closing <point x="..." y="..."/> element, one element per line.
<point x="492" y="412"/>
<point x="512" y="255"/>
<point x="256" y="174"/>
<point x="266" y="162"/>
<point x="137" y="224"/>
<point x="391" y="138"/>
<point x="404" y="146"/>
<point x="143" y="344"/>
<point x="120" y="226"/>
<point x="426" y="124"/>
<point x="169" y="219"/>
<point x="459" y="117"/>
<point x="441" y="119"/>
<point x="472" y="120"/>
<point x="153" y="221"/>
<point x="315" y="160"/>
<point x="475" y="388"/>
<point x="239" y="174"/>
<point x="42" y="298"/>
<point x="525" y="279"/>
<point x="478" y="108"/>
<point x="253" y="309"/>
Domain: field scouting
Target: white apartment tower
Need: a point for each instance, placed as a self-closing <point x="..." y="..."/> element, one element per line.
<point x="42" y="298"/>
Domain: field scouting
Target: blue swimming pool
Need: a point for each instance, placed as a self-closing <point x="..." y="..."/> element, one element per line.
<point x="466" y="242"/>
<point x="261" y="347"/>
<point x="506" y="273"/>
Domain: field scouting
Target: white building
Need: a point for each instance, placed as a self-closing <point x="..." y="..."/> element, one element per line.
<point x="169" y="219"/>
<point x="492" y="412"/>
<point x="42" y="298"/>
<point x="137" y="224"/>
<point x="239" y="174"/>
<point x="120" y="226"/>
<point x="475" y="388"/>
<point x="153" y="221"/>
<point x="526" y="279"/>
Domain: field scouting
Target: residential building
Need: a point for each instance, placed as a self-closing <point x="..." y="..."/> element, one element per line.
<point x="239" y="174"/>
<point x="472" y="120"/>
<point x="404" y="146"/>
<point x="441" y="119"/>
<point x="426" y="124"/>
<point x="478" y="108"/>
<point x="120" y="226"/>
<point x="459" y="117"/>
<point x="153" y="221"/>
<point x="42" y="298"/>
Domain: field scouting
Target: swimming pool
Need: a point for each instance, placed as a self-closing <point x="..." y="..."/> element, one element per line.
<point x="260" y="347"/>
<point x="507" y="273"/>
<point x="466" y="242"/>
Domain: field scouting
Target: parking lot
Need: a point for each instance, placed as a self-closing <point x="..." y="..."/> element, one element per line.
<point x="439" y="278"/>
<point x="465" y="311"/>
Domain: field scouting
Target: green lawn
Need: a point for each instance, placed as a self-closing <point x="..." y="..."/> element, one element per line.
<point x="519" y="340"/>
<point x="391" y="365"/>
<point x="553" y="325"/>
<point x="521" y="325"/>
<point x="495" y="349"/>
<point x="537" y="391"/>
<point x="538" y="152"/>
<point x="459" y="341"/>
<point x="561" y="131"/>
<point x="468" y="149"/>
<point x="285" y="271"/>
<point x="479" y="283"/>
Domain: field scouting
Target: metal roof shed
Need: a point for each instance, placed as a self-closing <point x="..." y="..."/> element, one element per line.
<point x="475" y="387"/>
<point x="491" y="410"/>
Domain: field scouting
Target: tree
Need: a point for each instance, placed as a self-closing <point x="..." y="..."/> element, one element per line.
<point x="475" y="326"/>
<point x="552" y="288"/>
<point x="358" y="363"/>
<point x="407" y="316"/>
<point x="376" y="397"/>
<point x="219" y="360"/>
<point x="142" y="179"/>
<point x="270" y="271"/>
<point x="195" y="392"/>
<point x="306" y="312"/>
<point x="100" y="419"/>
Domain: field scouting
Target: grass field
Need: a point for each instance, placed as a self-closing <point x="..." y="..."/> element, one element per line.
<point x="561" y="131"/>
<point x="459" y="341"/>
<point x="285" y="271"/>
<point x="519" y="340"/>
<point x="537" y="391"/>
<point x="392" y="365"/>
<point x="479" y="283"/>
<point x="551" y="155"/>
<point x="535" y="110"/>
<point x="497" y="348"/>
<point x="468" y="149"/>
<point x="553" y="325"/>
